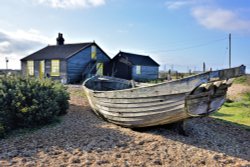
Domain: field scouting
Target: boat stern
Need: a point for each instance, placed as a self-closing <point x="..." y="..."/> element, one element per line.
<point x="207" y="98"/>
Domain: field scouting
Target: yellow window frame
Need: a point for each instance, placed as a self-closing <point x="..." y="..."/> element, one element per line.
<point x="41" y="69"/>
<point x="99" y="68"/>
<point x="30" y="67"/>
<point x="55" y="68"/>
<point x="138" y="70"/>
<point x="93" y="52"/>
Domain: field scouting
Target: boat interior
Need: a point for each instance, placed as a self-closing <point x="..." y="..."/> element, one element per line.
<point x="105" y="83"/>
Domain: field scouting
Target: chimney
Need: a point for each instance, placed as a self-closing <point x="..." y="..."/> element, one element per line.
<point x="60" y="39"/>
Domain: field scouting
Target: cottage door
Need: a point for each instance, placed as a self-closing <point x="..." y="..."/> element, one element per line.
<point x="41" y="69"/>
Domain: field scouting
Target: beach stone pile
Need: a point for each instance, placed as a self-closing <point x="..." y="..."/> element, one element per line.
<point x="82" y="139"/>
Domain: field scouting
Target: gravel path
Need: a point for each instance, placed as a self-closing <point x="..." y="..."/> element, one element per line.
<point x="81" y="139"/>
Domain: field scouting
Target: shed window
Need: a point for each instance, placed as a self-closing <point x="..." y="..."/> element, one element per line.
<point x="93" y="52"/>
<point x="55" y="68"/>
<point x="30" y="67"/>
<point x="99" y="69"/>
<point x="138" y="69"/>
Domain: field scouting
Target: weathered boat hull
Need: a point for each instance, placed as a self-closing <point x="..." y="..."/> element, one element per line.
<point x="161" y="103"/>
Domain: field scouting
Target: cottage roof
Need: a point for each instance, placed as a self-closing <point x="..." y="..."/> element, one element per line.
<point x="137" y="59"/>
<point x="57" y="51"/>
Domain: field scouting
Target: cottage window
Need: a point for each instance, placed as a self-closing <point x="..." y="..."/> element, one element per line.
<point x="55" y="68"/>
<point x="99" y="69"/>
<point x="138" y="69"/>
<point x="93" y="52"/>
<point x="30" y="67"/>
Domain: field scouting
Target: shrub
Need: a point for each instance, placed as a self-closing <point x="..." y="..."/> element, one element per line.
<point x="29" y="102"/>
<point x="2" y="131"/>
<point x="62" y="97"/>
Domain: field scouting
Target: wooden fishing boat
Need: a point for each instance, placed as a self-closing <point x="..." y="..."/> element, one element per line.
<point x="119" y="102"/>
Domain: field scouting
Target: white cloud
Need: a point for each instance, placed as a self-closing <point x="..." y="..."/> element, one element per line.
<point x="18" y="44"/>
<point x="217" y="18"/>
<point x="29" y="35"/>
<point x="177" y="4"/>
<point x="208" y="14"/>
<point x="4" y="46"/>
<point x="71" y="4"/>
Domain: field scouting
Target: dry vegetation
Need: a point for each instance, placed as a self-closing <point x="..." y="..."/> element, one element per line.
<point x="237" y="109"/>
<point x="82" y="139"/>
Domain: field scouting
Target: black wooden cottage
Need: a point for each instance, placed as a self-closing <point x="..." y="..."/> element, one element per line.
<point x="69" y="63"/>
<point x="132" y="66"/>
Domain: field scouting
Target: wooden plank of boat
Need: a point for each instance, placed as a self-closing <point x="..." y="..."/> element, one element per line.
<point x="166" y="116"/>
<point x="134" y="121"/>
<point x="141" y="114"/>
<point x="148" y="118"/>
<point x="141" y="104"/>
<point x="216" y="103"/>
<point x="142" y="110"/>
<point x="149" y="99"/>
<point x="160" y="120"/>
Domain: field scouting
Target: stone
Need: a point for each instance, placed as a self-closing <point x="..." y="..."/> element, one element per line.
<point x="118" y="155"/>
<point x="75" y="160"/>
<point x="100" y="162"/>
<point x="158" y="162"/>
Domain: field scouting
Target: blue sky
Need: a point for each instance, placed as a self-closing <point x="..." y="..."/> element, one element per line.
<point x="179" y="34"/>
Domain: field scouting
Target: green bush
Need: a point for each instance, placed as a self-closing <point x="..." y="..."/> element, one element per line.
<point x="29" y="102"/>
<point x="2" y="131"/>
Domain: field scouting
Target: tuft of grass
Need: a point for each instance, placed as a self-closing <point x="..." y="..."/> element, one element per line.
<point x="76" y="92"/>
<point x="244" y="80"/>
<point x="160" y="80"/>
<point x="236" y="112"/>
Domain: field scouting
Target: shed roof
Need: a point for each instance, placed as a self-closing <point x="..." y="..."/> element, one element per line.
<point x="137" y="59"/>
<point x="57" y="51"/>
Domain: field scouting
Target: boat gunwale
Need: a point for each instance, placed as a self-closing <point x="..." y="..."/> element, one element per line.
<point x="158" y="84"/>
<point x="143" y="97"/>
<point x="135" y="88"/>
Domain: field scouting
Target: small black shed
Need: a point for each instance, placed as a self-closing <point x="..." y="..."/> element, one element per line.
<point x="132" y="66"/>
